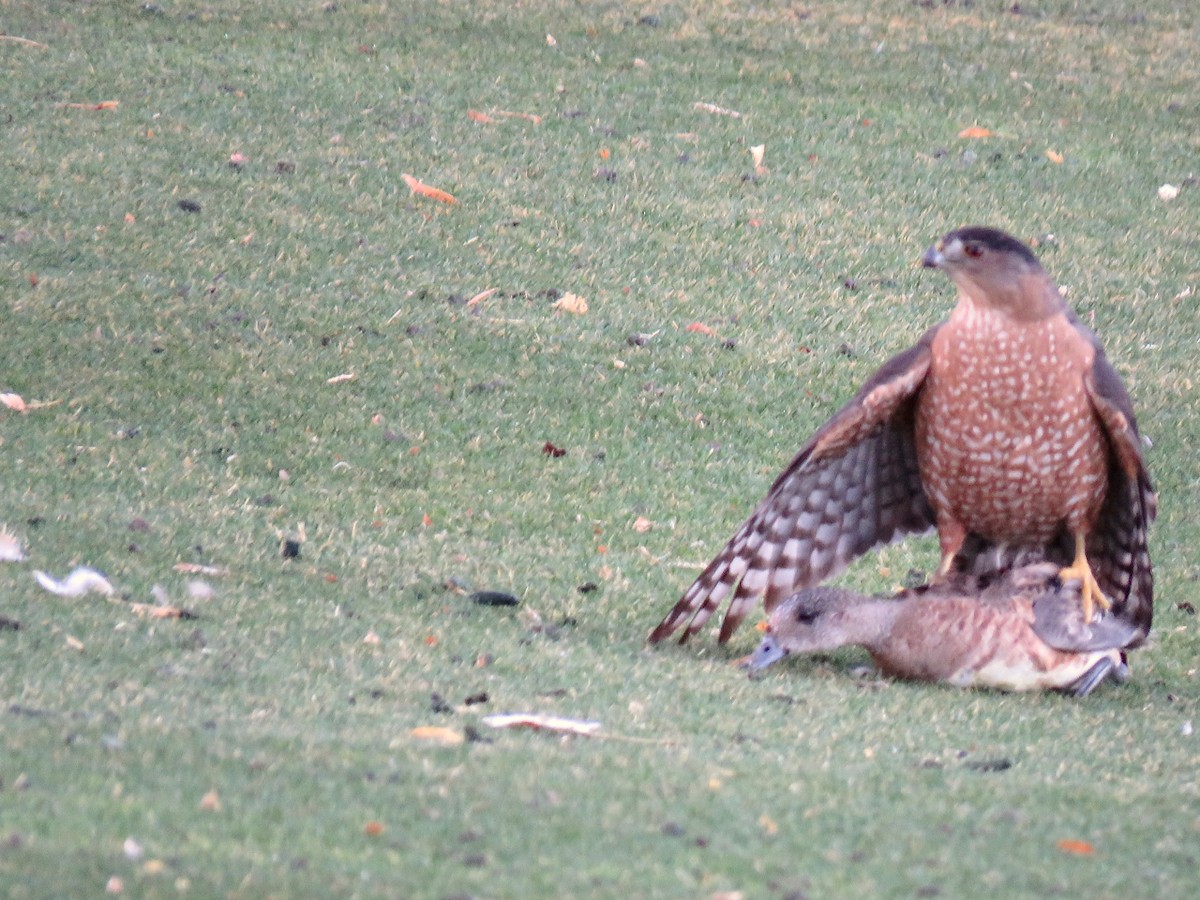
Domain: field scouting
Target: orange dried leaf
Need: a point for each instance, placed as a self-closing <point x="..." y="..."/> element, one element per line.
<point x="528" y="117"/>
<point x="481" y="117"/>
<point x="641" y="524"/>
<point x="373" y="828"/>
<point x="976" y="131"/>
<point x="481" y="296"/>
<point x="572" y="303"/>
<point x="211" y="802"/>
<point x="424" y="190"/>
<point x="447" y="737"/>
<point x="700" y="328"/>
<point x="1054" y="157"/>
<point x="198" y="569"/>
<point x="1078" y="848"/>
<point x="716" y="110"/>
<point x="103" y="104"/>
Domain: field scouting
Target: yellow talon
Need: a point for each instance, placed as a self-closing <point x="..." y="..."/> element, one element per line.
<point x="1090" y="595"/>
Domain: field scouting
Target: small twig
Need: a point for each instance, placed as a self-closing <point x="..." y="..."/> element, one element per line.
<point x="26" y="41"/>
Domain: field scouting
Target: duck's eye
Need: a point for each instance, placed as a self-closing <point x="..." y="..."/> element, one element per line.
<point x="973" y="250"/>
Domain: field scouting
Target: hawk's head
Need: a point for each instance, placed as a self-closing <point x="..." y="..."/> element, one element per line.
<point x="995" y="270"/>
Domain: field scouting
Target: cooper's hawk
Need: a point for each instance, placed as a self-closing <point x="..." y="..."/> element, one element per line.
<point x="960" y="632"/>
<point x="1005" y="427"/>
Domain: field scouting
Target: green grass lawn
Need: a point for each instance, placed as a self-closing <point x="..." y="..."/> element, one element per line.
<point x="180" y="357"/>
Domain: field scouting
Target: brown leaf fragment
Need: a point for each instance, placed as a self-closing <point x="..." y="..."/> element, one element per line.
<point x="481" y="117"/>
<point x="571" y="303"/>
<point x="716" y="110"/>
<point x="528" y="117"/>
<point x="103" y="104"/>
<point x="198" y="569"/>
<point x="1076" y="847"/>
<point x="424" y="190"/>
<point x="437" y="734"/>
<point x="156" y="611"/>
<point x="975" y="132"/>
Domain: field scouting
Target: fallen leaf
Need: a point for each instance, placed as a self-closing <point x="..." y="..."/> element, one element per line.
<point x="1078" y="848"/>
<point x="338" y="379"/>
<point x="1054" y="156"/>
<point x="103" y="104"/>
<point x="160" y="611"/>
<point x="198" y="569"/>
<point x="550" y="450"/>
<point x="550" y="41"/>
<point x="74" y="643"/>
<point x="481" y="296"/>
<point x="237" y="160"/>
<point x="114" y="885"/>
<point x="211" y="802"/>
<point x="371" y="638"/>
<point x="1168" y="192"/>
<point x="976" y="131"/>
<point x="424" y="190"/>
<point x="767" y="824"/>
<point x="716" y="110"/>
<point x="604" y="153"/>
<point x="482" y="118"/>
<point x="425" y="520"/>
<point x="528" y="117"/>
<point x="571" y="303"/>
<point x="700" y="328"/>
<point x="373" y="828"/>
<point x="130" y="218"/>
<point x="641" y="524"/>
<point x="437" y="734"/>
<point x="540" y="722"/>
<point x="24" y="41"/>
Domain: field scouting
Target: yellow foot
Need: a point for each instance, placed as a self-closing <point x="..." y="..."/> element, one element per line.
<point x="1090" y="595"/>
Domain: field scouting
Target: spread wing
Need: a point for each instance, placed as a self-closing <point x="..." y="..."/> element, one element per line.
<point x="1117" y="544"/>
<point x="854" y="486"/>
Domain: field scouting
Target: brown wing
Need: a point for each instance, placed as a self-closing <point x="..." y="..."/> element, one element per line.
<point x="854" y="486"/>
<point x="1117" y="546"/>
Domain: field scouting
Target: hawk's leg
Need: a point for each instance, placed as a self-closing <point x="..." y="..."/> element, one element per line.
<point x="1089" y="591"/>
<point x="951" y="535"/>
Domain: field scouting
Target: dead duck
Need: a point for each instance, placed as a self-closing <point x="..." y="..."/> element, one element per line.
<point x="1022" y="631"/>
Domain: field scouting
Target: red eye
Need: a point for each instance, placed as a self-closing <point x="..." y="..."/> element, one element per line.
<point x="973" y="250"/>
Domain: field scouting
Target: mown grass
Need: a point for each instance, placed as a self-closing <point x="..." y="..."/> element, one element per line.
<point x="188" y="356"/>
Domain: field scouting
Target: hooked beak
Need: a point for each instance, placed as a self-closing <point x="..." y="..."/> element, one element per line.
<point x="933" y="257"/>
